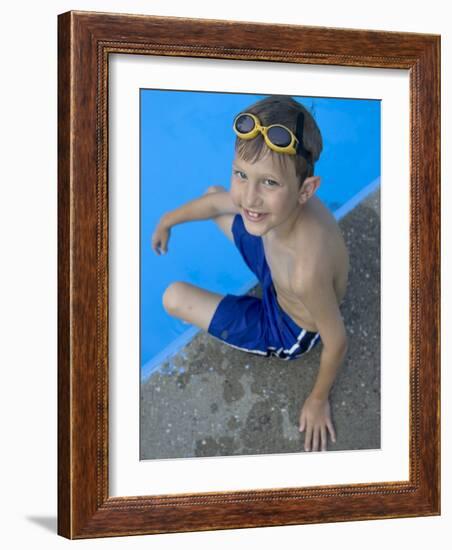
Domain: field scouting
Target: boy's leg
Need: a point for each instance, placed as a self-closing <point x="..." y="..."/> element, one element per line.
<point x="224" y="222"/>
<point x="191" y="303"/>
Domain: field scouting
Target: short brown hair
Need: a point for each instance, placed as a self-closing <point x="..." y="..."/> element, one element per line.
<point x="279" y="109"/>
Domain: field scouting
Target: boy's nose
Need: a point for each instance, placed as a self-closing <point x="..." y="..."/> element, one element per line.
<point x="252" y="198"/>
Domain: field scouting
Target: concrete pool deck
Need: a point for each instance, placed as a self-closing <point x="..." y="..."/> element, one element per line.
<point x="213" y="400"/>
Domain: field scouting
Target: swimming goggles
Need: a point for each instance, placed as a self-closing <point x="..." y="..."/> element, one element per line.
<point x="277" y="137"/>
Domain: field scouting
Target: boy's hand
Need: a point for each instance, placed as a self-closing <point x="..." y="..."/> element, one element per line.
<point x="160" y="238"/>
<point x="315" y="421"/>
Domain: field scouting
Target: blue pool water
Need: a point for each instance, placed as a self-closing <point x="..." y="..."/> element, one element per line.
<point x="187" y="144"/>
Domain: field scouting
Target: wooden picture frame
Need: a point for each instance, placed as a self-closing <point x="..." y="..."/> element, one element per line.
<point x="85" y="42"/>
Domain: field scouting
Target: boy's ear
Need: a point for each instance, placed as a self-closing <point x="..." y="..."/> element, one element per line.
<point x="308" y="188"/>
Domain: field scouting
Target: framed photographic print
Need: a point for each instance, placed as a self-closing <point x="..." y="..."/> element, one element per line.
<point x="248" y="275"/>
<point x="233" y="402"/>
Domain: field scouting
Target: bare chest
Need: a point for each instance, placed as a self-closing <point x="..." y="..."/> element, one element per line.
<point x="283" y="271"/>
<point x="282" y="266"/>
<point x="288" y="269"/>
<point x="287" y="274"/>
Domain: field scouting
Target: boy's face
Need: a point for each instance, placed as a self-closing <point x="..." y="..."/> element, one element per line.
<point x="267" y="193"/>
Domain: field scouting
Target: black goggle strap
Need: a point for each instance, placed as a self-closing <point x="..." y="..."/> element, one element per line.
<point x="301" y="150"/>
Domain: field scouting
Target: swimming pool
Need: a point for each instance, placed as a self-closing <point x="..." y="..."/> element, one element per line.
<point x="186" y="145"/>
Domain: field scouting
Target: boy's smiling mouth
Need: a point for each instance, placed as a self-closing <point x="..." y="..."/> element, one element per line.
<point x="253" y="216"/>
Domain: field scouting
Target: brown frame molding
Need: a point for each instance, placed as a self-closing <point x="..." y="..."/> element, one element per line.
<point x="85" y="41"/>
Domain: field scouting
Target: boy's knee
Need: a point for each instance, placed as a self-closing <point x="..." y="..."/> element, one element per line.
<point x="214" y="189"/>
<point x="172" y="297"/>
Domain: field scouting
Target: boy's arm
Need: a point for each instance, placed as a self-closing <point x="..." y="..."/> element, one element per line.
<point x="319" y="297"/>
<point x="206" y="207"/>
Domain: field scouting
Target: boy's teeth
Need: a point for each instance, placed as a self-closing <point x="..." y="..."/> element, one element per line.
<point x="254" y="214"/>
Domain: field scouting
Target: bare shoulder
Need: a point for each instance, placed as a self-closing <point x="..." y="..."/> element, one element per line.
<point x="322" y="256"/>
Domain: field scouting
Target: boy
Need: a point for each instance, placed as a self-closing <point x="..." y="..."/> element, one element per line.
<point x="290" y="241"/>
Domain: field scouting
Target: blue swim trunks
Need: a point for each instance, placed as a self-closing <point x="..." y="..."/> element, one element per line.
<point x="255" y="325"/>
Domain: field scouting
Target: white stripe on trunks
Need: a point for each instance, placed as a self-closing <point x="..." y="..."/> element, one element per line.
<point x="313" y="341"/>
<point x="257" y="351"/>
<point x="271" y="348"/>
<point x="297" y="344"/>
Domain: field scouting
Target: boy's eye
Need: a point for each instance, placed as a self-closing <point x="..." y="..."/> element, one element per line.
<point x="271" y="183"/>
<point x="239" y="174"/>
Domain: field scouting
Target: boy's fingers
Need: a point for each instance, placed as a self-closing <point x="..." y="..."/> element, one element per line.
<point x="159" y="245"/>
<point x="323" y="436"/>
<point x="164" y="245"/>
<point x="307" y="438"/>
<point x="330" y="427"/>
<point x="154" y="243"/>
<point x="302" y="424"/>
<point x="315" y="441"/>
